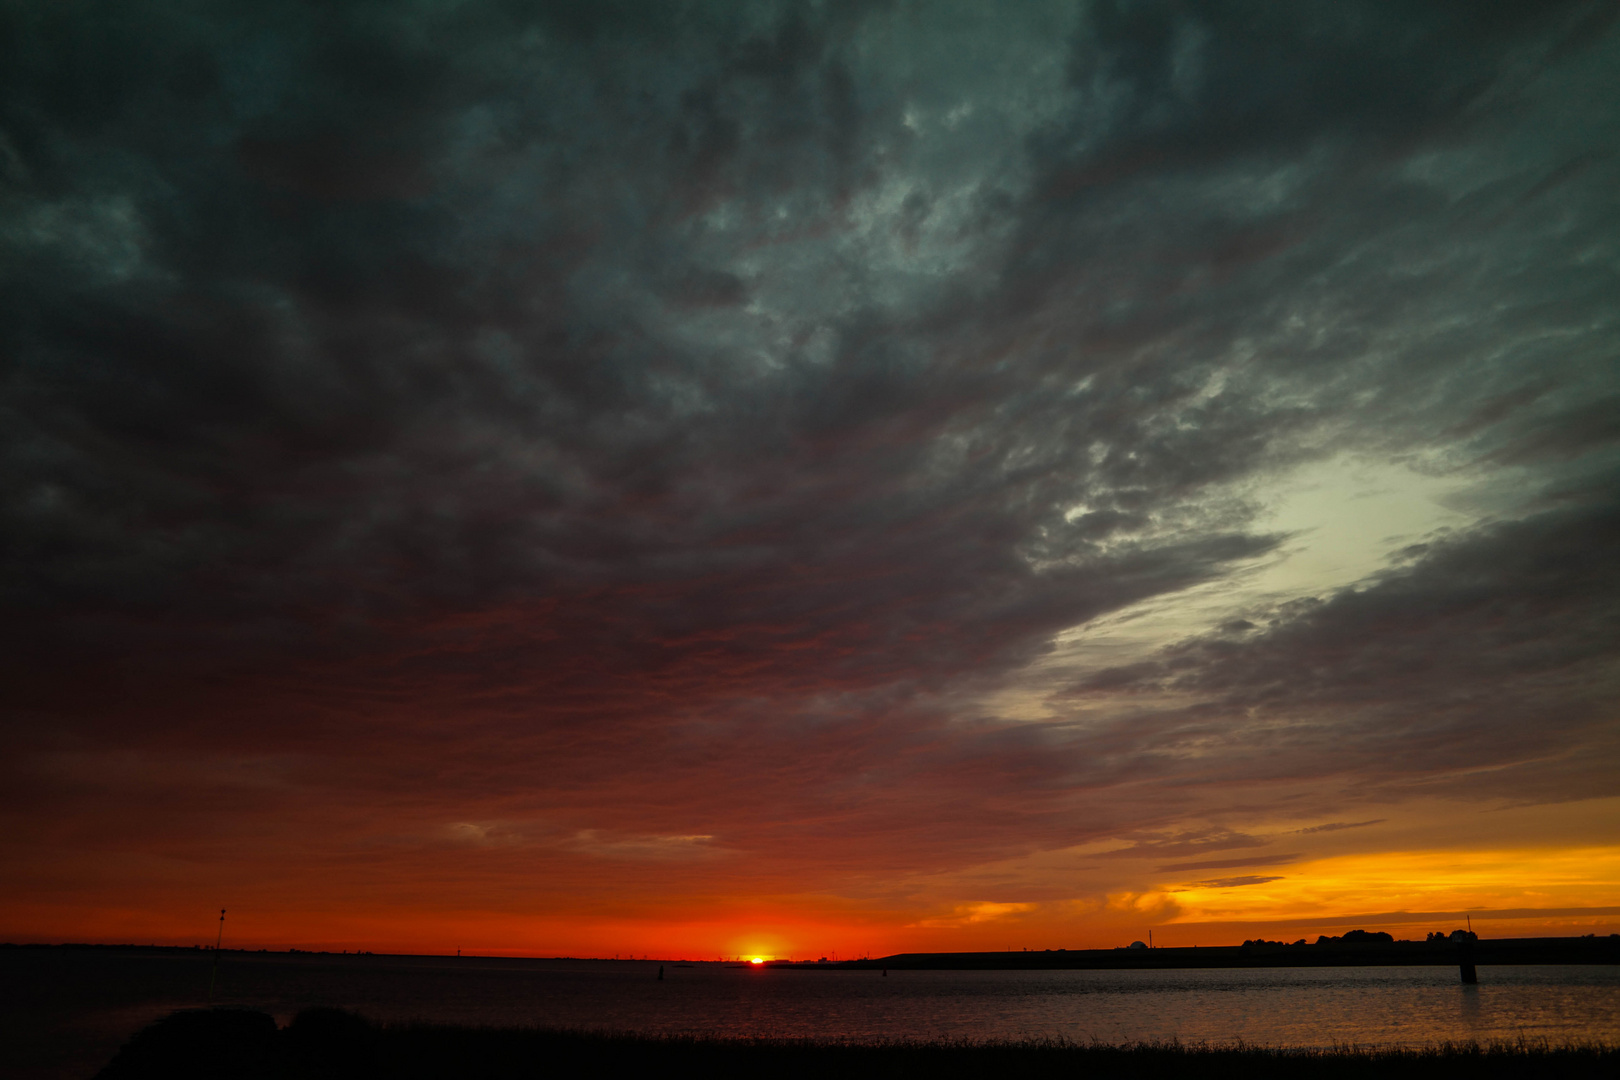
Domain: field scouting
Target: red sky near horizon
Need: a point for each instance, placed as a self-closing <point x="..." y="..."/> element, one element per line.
<point x="684" y="481"/>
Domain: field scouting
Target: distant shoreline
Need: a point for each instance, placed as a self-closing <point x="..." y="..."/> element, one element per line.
<point x="1486" y="952"/>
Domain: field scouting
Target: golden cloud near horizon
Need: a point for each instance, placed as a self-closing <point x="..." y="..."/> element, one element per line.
<point x="1415" y="881"/>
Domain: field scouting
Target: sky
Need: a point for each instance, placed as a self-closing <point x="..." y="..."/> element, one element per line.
<point x="794" y="479"/>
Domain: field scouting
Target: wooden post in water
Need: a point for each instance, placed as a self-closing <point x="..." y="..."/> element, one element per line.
<point x="1465" y="961"/>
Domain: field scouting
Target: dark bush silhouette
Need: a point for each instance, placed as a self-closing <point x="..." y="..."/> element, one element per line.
<point x="330" y="1043"/>
<point x="217" y="1044"/>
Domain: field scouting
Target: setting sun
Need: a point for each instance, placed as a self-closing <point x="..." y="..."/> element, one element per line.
<point x="757" y="960"/>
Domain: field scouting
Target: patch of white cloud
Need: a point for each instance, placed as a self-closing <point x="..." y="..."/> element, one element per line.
<point x="1347" y="518"/>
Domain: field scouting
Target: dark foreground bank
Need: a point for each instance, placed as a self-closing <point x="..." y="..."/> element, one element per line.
<point x="240" y="1044"/>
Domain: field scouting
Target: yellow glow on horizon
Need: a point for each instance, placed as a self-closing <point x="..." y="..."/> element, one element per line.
<point x="1408" y="881"/>
<point x="757" y="960"/>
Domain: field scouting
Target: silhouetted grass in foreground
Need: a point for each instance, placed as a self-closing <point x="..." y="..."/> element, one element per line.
<point x="236" y="1044"/>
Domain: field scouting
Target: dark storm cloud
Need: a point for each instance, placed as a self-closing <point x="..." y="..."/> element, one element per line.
<point x="1199" y="82"/>
<point x="451" y="397"/>
<point x="301" y="407"/>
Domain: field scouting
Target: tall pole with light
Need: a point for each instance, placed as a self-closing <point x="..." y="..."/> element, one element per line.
<point x="217" y="939"/>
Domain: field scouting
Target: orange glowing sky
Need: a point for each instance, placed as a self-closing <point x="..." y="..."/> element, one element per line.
<point x="793" y="480"/>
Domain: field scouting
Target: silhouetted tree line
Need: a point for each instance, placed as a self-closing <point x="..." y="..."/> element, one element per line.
<point x="1374" y="937"/>
<point x="1358" y="937"/>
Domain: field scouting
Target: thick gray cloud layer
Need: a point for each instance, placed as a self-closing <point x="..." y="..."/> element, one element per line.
<point x="578" y="390"/>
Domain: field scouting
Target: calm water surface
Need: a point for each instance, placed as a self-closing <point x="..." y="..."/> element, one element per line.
<point x="69" y="1011"/>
